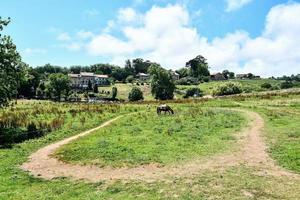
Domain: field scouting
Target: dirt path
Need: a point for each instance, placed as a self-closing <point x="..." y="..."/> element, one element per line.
<point x="252" y="153"/>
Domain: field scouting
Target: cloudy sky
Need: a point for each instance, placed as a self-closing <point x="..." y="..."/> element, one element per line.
<point x="258" y="36"/>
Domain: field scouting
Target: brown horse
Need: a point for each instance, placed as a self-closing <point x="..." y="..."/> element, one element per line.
<point x="164" y="108"/>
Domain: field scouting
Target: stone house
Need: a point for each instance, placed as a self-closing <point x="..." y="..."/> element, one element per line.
<point x="82" y="80"/>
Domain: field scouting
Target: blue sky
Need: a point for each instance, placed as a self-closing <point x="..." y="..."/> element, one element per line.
<point x="66" y="32"/>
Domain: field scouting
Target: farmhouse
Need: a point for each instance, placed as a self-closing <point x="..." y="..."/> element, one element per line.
<point x="217" y="77"/>
<point x="82" y="80"/>
<point x="143" y="76"/>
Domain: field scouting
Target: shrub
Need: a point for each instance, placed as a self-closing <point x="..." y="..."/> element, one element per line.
<point x="193" y="92"/>
<point x="187" y="81"/>
<point x="286" y="85"/>
<point x="114" y="92"/>
<point x="227" y="88"/>
<point x="205" y="79"/>
<point x="266" y="85"/>
<point x="135" y="94"/>
<point x="129" y="79"/>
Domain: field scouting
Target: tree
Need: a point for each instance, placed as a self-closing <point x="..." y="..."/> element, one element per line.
<point x="129" y="79"/>
<point x="10" y="66"/>
<point x="90" y="85"/>
<point x="225" y="74"/>
<point x="119" y="74"/>
<point x="250" y="75"/>
<point x="128" y="67"/>
<point x="231" y="75"/>
<point x="51" y="69"/>
<point x="40" y="91"/>
<point x="183" y="72"/>
<point x="59" y="84"/>
<point x="114" y="92"/>
<point x="135" y="94"/>
<point x="162" y="85"/>
<point x="140" y="66"/>
<point x="28" y="82"/>
<point x="198" y="67"/>
<point x="96" y="89"/>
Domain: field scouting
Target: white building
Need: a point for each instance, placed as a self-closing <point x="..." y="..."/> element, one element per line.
<point x="82" y="80"/>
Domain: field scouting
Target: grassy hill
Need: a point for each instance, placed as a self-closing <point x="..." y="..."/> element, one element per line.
<point x="248" y="86"/>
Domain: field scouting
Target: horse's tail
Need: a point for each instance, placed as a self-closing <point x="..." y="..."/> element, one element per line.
<point x="158" y="110"/>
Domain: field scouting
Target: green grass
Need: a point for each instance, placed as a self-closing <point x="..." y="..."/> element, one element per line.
<point x="232" y="183"/>
<point x="145" y="138"/>
<point x="248" y="85"/>
<point x="124" y="89"/>
<point x="283" y="134"/>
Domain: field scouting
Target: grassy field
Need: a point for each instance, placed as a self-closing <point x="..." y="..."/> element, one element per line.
<point x="281" y="115"/>
<point x="124" y="89"/>
<point x="207" y="88"/>
<point x="145" y="138"/>
<point x="248" y="85"/>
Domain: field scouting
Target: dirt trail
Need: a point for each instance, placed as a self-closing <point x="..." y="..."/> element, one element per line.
<point x="252" y="153"/>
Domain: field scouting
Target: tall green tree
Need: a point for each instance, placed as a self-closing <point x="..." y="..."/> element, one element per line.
<point x="128" y="67"/>
<point x="10" y="66"/>
<point x="140" y="66"/>
<point x="183" y="72"/>
<point x="28" y="82"/>
<point x="162" y="85"/>
<point x="59" y="84"/>
<point x="114" y="92"/>
<point x="198" y="67"/>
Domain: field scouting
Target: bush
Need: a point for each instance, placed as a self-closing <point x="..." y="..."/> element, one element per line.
<point x="228" y="88"/>
<point x="135" y="94"/>
<point x="193" y="92"/>
<point x="129" y="79"/>
<point x="205" y="79"/>
<point x="187" y="81"/>
<point x="114" y="92"/>
<point x="266" y="85"/>
<point x="286" y="85"/>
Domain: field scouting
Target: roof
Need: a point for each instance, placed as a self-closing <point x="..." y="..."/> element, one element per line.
<point x="87" y="74"/>
<point x="218" y="73"/>
<point x="143" y="74"/>
<point x="101" y="76"/>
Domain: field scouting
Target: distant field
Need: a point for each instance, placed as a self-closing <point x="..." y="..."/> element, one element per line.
<point x="248" y="86"/>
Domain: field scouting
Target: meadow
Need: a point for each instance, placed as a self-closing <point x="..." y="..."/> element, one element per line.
<point x="145" y="138"/>
<point x="281" y="114"/>
<point x="248" y="86"/>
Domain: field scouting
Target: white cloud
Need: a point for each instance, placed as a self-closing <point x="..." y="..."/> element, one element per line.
<point x="73" y="46"/>
<point x="233" y="5"/>
<point x="84" y="35"/>
<point x="127" y="15"/>
<point x="64" y="37"/>
<point x="30" y="51"/>
<point x="165" y="36"/>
